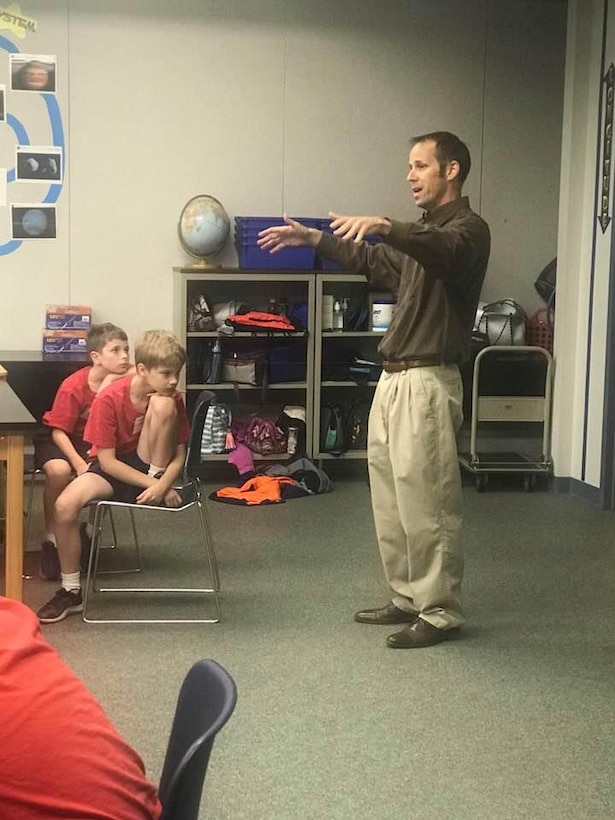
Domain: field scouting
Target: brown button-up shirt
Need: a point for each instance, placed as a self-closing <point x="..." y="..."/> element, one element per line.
<point x="436" y="267"/>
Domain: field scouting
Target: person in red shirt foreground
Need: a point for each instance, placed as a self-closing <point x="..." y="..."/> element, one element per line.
<point x="138" y="429"/>
<point x="61" y="452"/>
<point x="93" y="772"/>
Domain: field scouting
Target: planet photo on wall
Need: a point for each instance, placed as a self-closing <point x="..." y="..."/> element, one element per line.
<point x="33" y="221"/>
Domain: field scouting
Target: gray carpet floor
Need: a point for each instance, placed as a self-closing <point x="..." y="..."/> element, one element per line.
<point x="516" y="719"/>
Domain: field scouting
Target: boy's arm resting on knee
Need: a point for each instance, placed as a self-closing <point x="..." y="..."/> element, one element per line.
<point x="121" y="471"/>
<point x="162" y="491"/>
<point x="174" y="468"/>
<point x="63" y="443"/>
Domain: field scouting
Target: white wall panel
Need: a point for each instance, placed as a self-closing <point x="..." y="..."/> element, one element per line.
<point x="273" y="105"/>
<point x="522" y="143"/>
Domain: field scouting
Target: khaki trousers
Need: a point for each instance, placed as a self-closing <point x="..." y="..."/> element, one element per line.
<point x="416" y="489"/>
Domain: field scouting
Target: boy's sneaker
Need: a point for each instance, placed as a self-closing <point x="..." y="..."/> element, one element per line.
<point x="62" y="604"/>
<point x="49" y="567"/>
<point x="86" y="545"/>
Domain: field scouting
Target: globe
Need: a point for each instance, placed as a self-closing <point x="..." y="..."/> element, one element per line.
<point x="203" y="227"/>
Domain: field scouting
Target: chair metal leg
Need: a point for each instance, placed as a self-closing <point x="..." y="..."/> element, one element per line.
<point x="93" y="570"/>
<point x="31" y="486"/>
<point x="208" y="542"/>
<point x="135" y="537"/>
<point x="28" y="517"/>
<point x="108" y="511"/>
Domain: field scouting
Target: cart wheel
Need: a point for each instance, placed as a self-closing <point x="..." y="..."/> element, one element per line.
<point x="529" y="482"/>
<point x="481" y="483"/>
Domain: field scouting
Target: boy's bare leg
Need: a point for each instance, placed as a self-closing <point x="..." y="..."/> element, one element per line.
<point x="79" y="492"/>
<point x="68" y="599"/>
<point x="58" y="474"/>
<point x="158" y="438"/>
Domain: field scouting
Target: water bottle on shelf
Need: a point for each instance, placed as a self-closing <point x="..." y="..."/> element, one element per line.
<point x="338" y="316"/>
<point x="292" y="441"/>
<point x="215" y="371"/>
<point x="345" y="312"/>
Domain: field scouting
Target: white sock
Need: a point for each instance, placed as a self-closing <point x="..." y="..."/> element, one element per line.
<point x="49" y="536"/>
<point x="71" y="581"/>
<point x="153" y="471"/>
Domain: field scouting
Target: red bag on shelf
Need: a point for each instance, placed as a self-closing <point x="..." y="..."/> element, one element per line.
<point x="259" y="320"/>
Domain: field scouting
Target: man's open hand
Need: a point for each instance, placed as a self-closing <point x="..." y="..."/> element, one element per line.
<point x="290" y="235"/>
<point x="358" y="227"/>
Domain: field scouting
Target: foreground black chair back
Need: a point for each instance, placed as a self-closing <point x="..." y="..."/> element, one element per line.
<point x="206" y="701"/>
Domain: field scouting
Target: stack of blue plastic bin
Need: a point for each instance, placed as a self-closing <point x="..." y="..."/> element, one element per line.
<point x="252" y="257"/>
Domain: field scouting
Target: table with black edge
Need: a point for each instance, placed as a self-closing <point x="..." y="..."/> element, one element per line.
<point x="35" y="376"/>
<point x="15" y="422"/>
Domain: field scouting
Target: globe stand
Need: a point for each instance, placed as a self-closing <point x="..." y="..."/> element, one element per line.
<point x="203" y="265"/>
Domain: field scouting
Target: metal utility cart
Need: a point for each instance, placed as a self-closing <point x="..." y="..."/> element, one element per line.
<point x="510" y="384"/>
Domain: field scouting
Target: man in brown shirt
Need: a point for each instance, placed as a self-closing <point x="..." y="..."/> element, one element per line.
<point x="437" y="266"/>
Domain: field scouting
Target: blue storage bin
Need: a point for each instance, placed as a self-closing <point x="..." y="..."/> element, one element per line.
<point x="252" y="257"/>
<point x="255" y="224"/>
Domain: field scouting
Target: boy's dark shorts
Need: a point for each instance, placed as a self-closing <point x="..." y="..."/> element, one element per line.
<point x="45" y="450"/>
<point x="122" y="492"/>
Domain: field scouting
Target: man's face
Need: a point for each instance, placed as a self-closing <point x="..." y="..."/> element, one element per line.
<point x="113" y="357"/>
<point x="162" y="380"/>
<point x="431" y="185"/>
<point x="36" y="77"/>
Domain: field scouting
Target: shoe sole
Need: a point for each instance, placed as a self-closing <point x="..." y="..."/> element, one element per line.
<point x="387" y="622"/>
<point x="449" y="635"/>
<point x="71" y="610"/>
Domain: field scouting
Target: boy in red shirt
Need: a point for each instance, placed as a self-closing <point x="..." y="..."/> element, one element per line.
<point x="138" y="428"/>
<point x="92" y="772"/>
<point x="61" y="452"/>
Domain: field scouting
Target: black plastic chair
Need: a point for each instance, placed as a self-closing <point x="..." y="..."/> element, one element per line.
<point x="206" y="701"/>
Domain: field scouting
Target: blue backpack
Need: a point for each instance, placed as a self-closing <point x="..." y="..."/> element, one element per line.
<point x="332" y="429"/>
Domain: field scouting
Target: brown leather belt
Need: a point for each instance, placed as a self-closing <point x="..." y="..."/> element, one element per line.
<point x="406" y="364"/>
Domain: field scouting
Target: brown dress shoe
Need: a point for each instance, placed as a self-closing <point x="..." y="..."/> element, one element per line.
<point x="418" y="634"/>
<point x="386" y="615"/>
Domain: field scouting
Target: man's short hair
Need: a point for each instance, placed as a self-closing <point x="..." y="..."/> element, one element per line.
<point x="448" y="148"/>
<point x="103" y="333"/>
<point x="159" y="348"/>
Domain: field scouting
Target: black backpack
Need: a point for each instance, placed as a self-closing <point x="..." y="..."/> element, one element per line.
<point x="332" y="429"/>
<point x="356" y="425"/>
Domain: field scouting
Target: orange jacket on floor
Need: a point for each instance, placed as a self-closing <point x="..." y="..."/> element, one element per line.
<point x="258" y="490"/>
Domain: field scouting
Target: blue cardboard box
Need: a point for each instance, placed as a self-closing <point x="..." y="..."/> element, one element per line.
<point x="65" y="341"/>
<point x="68" y="317"/>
